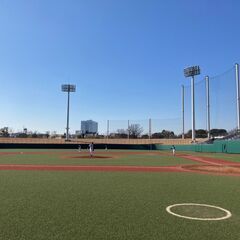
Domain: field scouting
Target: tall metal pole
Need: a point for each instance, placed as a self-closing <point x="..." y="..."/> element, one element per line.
<point x="208" y="106"/>
<point x="193" y="108"/>
<point x="128" y="130"/>
<point x="150" y="128"/>
<point x="150" y="133"/>
<point x="107" y="128"/>
<point x="183" y="120"/>
<point x="67" y="134"/>
<point x="238" y="95"/>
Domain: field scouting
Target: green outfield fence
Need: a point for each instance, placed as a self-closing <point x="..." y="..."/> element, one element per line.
<point x="216" y="147"/>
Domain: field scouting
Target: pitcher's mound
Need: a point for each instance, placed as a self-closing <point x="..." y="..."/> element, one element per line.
<point x="94" y="156"/>
<point x="215" y="169"/>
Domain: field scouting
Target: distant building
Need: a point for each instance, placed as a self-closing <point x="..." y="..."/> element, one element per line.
<point x="77" y="132"/>
<point x="89" y="127"/>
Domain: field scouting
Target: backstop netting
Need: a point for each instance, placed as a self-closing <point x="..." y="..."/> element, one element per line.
<point x="168" y="127"/>
<point x="200" y="105"/>
<point x="146" y="128"/>
<point x="223" y="112"/>
<point x="222" y="100"/>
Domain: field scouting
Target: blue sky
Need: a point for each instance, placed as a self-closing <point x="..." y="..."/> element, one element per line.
<point x="125" y="57"/>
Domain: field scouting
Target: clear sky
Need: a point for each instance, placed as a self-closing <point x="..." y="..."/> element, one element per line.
<point x="125" y="57"/>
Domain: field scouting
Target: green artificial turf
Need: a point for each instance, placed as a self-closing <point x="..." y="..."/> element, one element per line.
<point x="61" y="205"/>
<point x="71" y="158"/>
<point x="34" y="150"/>
<point x="223" y="156"/>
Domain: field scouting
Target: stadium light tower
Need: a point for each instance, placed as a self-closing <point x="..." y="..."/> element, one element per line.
<point x="68" y="88"/>
<point x="191" y="72"/>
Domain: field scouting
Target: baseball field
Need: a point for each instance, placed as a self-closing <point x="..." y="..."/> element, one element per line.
<point x="116" y="194"/>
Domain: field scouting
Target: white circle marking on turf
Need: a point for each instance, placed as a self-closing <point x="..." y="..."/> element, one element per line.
<point x="228" y="213"/>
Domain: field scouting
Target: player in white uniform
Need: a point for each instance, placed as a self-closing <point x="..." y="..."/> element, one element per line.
<point x="173" y="150"/>
<point x="91" y="149"/>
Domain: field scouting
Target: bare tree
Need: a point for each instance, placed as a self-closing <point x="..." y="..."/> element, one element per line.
<point x="135" y="130"/>
<point x="122" y="133"/>
<point x="4" y="132"/>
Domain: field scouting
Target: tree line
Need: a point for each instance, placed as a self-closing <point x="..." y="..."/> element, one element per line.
<point x="134" y="131"/>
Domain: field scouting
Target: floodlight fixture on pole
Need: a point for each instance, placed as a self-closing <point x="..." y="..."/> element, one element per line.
<point x="68" y="88"/>
<point x="191" y="72"/>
